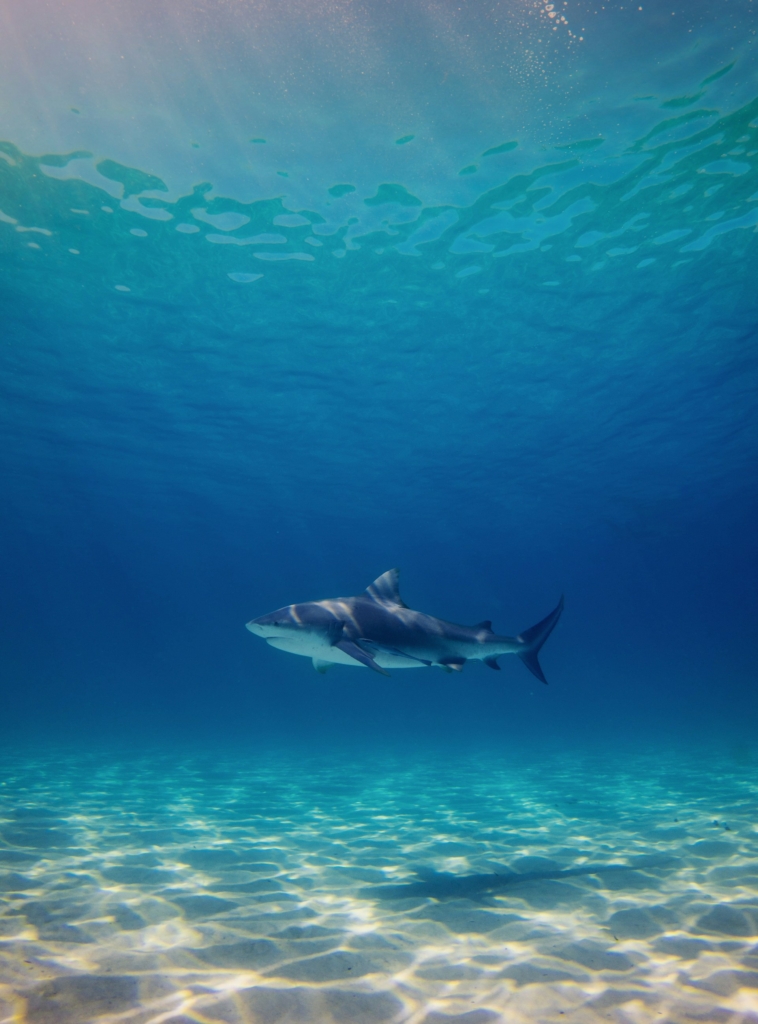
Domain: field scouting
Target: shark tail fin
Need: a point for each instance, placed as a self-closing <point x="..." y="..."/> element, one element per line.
<point x="534" y="638"/>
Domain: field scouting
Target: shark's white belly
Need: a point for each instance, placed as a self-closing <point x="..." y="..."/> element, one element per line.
<point x="310" y="646"/>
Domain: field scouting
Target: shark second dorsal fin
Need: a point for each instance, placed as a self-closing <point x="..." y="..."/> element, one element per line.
<point x="385" y="589"/>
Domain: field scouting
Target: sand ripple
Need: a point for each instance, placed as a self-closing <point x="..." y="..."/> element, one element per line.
<point x="268" y="888"/>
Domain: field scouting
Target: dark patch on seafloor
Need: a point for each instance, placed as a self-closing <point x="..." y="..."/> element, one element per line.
<point x="440" y="885"/>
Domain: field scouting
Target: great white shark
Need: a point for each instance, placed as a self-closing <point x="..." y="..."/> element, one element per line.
<point x="379" y="631"/>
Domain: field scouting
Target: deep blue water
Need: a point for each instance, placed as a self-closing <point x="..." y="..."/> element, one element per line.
<point x="291" y="294"/>
<point x="194" y="452"/>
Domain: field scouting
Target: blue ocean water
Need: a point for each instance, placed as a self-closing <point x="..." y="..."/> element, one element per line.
<point x="295" y="293"/>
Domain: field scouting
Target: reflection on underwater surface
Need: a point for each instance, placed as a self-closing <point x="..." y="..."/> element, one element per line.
<point x="275" y="887"/>
<point x="663" y="198"/>
<point x="576" y="340"/>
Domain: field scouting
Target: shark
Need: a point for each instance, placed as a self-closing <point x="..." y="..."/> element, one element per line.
<point x="377" y="630"/>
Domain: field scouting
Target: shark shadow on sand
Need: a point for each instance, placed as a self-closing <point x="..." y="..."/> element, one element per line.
<point x="440" y="885"/>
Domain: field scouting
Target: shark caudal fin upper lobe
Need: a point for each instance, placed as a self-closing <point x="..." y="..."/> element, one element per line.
<point x="534" y="638"/>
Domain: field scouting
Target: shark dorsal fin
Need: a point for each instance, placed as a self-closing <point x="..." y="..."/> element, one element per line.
<point x="385" y="589"/>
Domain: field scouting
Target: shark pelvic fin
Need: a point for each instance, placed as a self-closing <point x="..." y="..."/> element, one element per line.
<point x="453" y="664"/>
<point x="385" y="589"/>
<point x="321" y="666"/>
<point x="492" y="663"/>
<point x="534" y="638"/>
<point x="354" y="651"/>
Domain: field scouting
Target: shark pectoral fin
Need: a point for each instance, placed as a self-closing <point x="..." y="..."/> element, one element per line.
<point x="321" y="666"/>
<point x="453" y="664"/>
<point x="492" y="663"/>
<point x="376" y="648"/>
<point x="354" y="651"/>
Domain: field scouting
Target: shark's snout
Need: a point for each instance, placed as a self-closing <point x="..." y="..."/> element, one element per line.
<point x="274" y="624"/>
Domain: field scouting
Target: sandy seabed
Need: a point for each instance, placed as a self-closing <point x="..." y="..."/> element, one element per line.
<point x="275" y="888"/>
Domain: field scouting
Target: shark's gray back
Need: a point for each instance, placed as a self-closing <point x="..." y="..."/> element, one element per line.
<point x="381" y="614"/>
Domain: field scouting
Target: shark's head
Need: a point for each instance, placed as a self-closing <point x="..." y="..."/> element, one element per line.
<point x="282" y="623"/>
<point x="296" y="625"/>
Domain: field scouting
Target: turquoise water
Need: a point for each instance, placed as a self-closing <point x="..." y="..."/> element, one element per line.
<point x="294" y="293"/>
<point x="177" y="887"/>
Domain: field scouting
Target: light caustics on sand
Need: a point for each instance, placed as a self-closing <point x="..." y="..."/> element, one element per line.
<point x="567" y="888"/>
